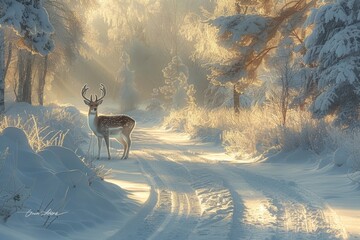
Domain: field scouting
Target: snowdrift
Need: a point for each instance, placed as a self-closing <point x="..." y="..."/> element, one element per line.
<point x="52" y="119"/>
<point x="51" y="194"/>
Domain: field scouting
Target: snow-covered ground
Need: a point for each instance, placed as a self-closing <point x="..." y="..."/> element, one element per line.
<point x="195" y="191"/>
<point x="51" y="193"/>
<point x="172" y="187"/>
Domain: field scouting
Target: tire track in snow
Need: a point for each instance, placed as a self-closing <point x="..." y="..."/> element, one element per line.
<point x="172" y="210"/>
<point x="289" y="211"/>
<point x="217" y="206"/>
<point x="277" y="209"/>
<point x="193" y="199"/>
<point x="184" y="212"/>
<point x="136" y="228"/>
<point x="219" y="212"/>
<point x="221" y="206"/>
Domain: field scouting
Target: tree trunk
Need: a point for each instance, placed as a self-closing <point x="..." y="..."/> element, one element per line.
<point x="21" y="76"/>
<point x="8" y="60"/>
<point x="27" y="91"/>
<point x="236" y="99"/>
<point x="24" y="84"/>
<point x="42" y="79"/>
<point x="236" y="93"/>
<point x="2" y="71"/>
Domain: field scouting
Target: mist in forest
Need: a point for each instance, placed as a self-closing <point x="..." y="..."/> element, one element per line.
<point x="149" y="33"/>
<point x="222" y="97"/>
<point x="214" y="54"/>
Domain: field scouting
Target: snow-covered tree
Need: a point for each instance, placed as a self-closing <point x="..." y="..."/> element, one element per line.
<point x="236" y="38"/>
<point x="149" y="31"/>
<point x="176" y="87"/>
<point x="29" y="19"/>
<point x="50" y="70"/>
<point x="284" y="68"/>
<point x="217" y="96"/>
<point x="66" y="20"/>
<point x="128" y="95"/>
<point x="190" y="95"/>
<point x="250" y="37"/>
<point x="155" y="103"/>
<point x="333" y="52"/>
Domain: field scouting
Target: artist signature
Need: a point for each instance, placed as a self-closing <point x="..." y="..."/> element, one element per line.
<point x="44" y="213"/>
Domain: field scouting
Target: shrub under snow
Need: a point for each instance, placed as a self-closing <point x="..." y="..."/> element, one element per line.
<point x="38" y="177"/>
<point x="257" y="131"/>
<point x="50" y="125"/>
<point x="253" y="131"/>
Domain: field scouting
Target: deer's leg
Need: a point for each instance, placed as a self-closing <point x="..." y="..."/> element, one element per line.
<point x="123" y="142"/>
<point x="127" y="136"/>
<point x="107" y="145"/>
<point x="99" y="146"/>
<point x="128" y="150"/>
<point x="128" y="144"/>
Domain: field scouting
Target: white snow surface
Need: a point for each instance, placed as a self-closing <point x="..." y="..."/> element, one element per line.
<point x="182" y="188"/>
<point x="35" y="187"/>
<point x="193" y="190"/>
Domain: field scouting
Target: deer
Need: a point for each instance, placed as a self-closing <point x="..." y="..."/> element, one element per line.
<point x="104" y="127"/>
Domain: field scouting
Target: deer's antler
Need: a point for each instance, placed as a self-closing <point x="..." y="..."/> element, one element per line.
<point x="83" y="92"/>
<point x="103" y="92"/>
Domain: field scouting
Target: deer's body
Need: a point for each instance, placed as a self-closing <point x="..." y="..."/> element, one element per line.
<point x="104" y="127"/>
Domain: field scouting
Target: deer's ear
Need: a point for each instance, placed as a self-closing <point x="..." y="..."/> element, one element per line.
<point x="99" y="102"/>
<point x="87" y="102"/>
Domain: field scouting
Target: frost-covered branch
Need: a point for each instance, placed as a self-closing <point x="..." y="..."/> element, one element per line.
<point x="333" y="51"/>
<point x="30" y="20"/>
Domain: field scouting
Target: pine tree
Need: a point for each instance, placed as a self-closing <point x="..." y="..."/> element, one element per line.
<point x="333" y="53"/>
<point x="128" y="95"/>
<point x="155" y="103"/>
<point x="251" y="37"/>
<point x="30" y="20"/>
<point x="176" y="75"/>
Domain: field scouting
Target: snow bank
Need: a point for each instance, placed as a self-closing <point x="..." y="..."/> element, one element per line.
<point x="52" y="194"/>
<point x="51" y="120"/>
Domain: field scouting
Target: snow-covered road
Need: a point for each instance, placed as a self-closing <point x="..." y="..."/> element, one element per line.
<point x="185" y="194"/>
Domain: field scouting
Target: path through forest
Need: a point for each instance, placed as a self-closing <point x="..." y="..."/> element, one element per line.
<point x="190" y="190"/>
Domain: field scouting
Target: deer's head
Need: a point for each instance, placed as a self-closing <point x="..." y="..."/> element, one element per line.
<point x="93" y="104"/>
